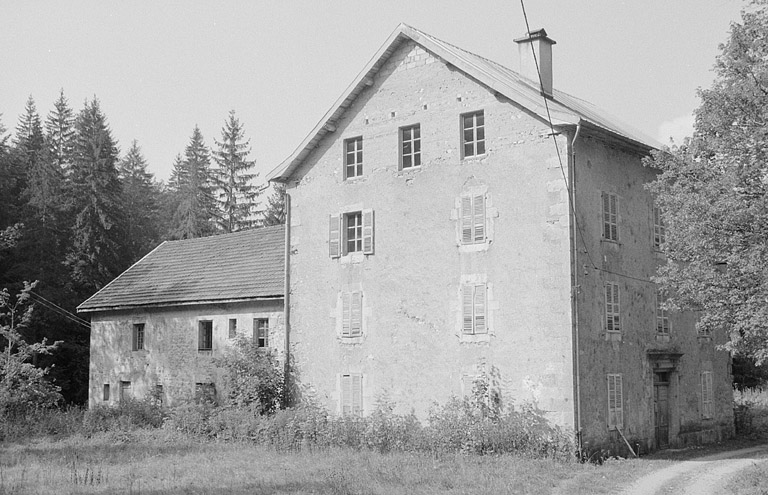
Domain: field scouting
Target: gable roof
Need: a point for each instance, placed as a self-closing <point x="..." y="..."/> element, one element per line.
<point x="564" y="109"/>
<point x="242" y="266"/>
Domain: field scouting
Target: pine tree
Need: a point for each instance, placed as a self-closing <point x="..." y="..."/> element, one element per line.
<point x="236" y="192"/>
<point x="275" y="212"/>
<point x="29" y="131"/>
<point x="195" y="214"/>
<point x="11" y="182"/>
<point x="60" y="133"/>
<point x="140" y="201"/>
<point x="96" y="256"/>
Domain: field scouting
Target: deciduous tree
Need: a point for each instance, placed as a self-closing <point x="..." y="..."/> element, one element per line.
<point x="713" y="194"/>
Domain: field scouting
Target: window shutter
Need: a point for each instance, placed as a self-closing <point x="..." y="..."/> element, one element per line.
<point x="616" y="311"/>
<point x="357" y="395"/>
<point x="368" y="231"/>
<point x="467" y="307"/>
<point x="606" y="216"/>
<point x="334" y="236"/>
<point x="356" y="314"/>
<point x="478" y="217"/>
<point x="466" y="220"/>
<point x="619" y="403"/>
<point x="135" y="338"/>
<point x="346" y="395"/>
<point x="614" y="218"/>
<point x="346" y="314"/>
<point x="480" y="298"/>
<point x="200" y="335"/>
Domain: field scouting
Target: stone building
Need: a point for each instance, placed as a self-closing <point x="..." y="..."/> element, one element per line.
<point x="157" y="327"/>
<point x="449" y="215"/>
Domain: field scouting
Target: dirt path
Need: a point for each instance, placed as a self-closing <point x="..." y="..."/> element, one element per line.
<point x="702" y="476"/>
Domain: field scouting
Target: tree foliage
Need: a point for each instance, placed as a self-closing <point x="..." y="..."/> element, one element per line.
<point x="274" y="214"/>
<point x="195" y="214"/>
<point x="23" y="386"/>
<point x="713" y="194"/>
<point x="140" y="203"/>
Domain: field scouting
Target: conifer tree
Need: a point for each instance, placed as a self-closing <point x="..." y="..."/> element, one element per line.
<point x="236" y="192"/>
<point x="96" y="254"/>
<point x="140" y="201"/>
<point x="60" y="132"/>
<point x="275" y="212"/>
<point x="195" y="214"/>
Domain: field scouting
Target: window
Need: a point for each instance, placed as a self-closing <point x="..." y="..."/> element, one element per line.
<point x="105" y="395"/>
<point x="706" y="395"/>
<point x="615" y="402"/>
<point x="473" y="134"/>
<point x="261" y="332"/>
<point x="125" y="391"/>
<point x="659" y="229"/>
<point x="138" y="336"/>
<point x="472" y="219"/>
<point x="205" y="336"/>
<point x="351" y="399"/>
<point x="410" y="146"/>
<point x="610" y="217"/>
<point x="352" y="314"/>
<point x="473" y="304"/>
<point x="205" y="393"/>
<point x="612" y="308"/>
<point x="351" y="233"/>
<point x="353" y="157"/>
<point x="662" y="317"/>
<point x="232" y="328"/>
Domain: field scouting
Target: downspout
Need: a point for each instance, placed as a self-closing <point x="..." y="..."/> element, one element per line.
<point x="287" y="384"/>
<point x="575" y="291"/>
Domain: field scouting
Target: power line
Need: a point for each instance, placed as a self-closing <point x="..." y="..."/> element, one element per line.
<point x="571" y="204"/>
<point x="59" y="310"/>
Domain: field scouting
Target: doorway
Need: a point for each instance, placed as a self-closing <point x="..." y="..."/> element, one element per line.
<point x="661" y="408"/>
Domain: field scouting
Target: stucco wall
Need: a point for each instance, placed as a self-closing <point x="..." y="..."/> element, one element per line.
<point x="631" y="262"/>
<point x="170" y="357"/>
<point x="412" y="348"/>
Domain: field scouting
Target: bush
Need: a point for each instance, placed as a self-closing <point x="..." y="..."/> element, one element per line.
<point x="128" y="415"/>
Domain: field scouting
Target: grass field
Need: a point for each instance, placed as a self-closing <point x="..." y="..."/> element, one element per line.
<point x="158" y="461"/>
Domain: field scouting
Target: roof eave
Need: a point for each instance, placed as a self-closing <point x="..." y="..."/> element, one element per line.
<point x="166" y="304"/>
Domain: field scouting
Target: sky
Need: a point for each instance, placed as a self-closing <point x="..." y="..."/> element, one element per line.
<point x="160" y="68"/>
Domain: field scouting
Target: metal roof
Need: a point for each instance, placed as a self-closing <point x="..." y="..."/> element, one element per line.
<point x="564" y="109"/>
<point x="241" y="266"/>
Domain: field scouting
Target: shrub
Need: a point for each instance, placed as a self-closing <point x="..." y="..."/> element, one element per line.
<point x="128" y="415"/>
<point x="253" y="376"/>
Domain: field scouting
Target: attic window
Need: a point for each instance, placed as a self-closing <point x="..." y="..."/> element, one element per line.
<point x="353" y="157"/>
<point x="472" y="134"/>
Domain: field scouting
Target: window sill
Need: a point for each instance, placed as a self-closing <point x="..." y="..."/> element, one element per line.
<point x="351" y="258"/>
<point x="409" y="170"/>
<point x="475" y="338"/>
<point x="610" y="242"/>
<point x="350" y="340"/>
<point x="613" y="336"/>
<point x="205" y="352"/>
<point x="352" y="180"/>
<point x="474" y="158"/>
<point x="474" y="248"/>
<point x="662" y="337"/>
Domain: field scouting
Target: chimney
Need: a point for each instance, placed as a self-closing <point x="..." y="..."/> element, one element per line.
<point x="542" y="46"/>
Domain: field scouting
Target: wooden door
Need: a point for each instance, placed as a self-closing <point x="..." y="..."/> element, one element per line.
<point x="661" y="408"/>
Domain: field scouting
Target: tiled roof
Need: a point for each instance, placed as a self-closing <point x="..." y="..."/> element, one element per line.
<point x="229" y="267"/>
<point x="564" y="109"/>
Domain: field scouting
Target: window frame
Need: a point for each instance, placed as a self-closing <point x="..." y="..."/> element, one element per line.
<point x="138" y="337"/>
<point x="663" y="325"/>
<point x="612" y="300"/>
<point x="353" y="157"/>
<point x="261" y="332"/>
<point x="232" y="328"/>
<point x="338" y="239"/>
<point x="356" y="240"/>
<point x="476" y="131"/>
<point x="413" y="156"/>
<point x="125" y="391"/>
<point x="609" y="206"/>
<point x="351" y="394"/>
<point x="204" y="335"/>
<point x="105" y="392"/>
<point x="615" y="401"/>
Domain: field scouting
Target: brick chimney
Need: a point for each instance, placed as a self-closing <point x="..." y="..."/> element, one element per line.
<point x="542" y="46"/>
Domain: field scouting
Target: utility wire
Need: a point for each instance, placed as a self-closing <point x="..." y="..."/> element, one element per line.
<point x="59" y="310"/>
<point x="553" y="133"/>
<point x="59" y="307"/>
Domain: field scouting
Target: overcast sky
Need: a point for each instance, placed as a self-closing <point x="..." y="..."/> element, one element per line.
<point x="160" y="67"/>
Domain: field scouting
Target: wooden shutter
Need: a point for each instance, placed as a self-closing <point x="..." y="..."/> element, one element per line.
<point x="200" y="335"/>
<point x="334" y="236"/>
<point x="356" y="314"/>
<point x="368" y="231"/>
<point x="615" y="402"/>
<point x="357" y="394"/>
<point x="480" y="321"/>
<point x="614" y="217"/>
<point x="467" y="309"/>
<point x="478" y="218"/>
<point x="346" y="395"/>
<point x="346" y="314"/>
<point x="466" y="220"/>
